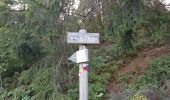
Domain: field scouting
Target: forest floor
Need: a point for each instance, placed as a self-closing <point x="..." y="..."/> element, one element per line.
<point x="136" y="65"/>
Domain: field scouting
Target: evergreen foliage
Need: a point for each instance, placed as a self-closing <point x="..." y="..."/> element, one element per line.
<point x="33" y="49"/>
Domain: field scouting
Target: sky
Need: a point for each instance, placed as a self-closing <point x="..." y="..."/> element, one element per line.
<point x="77" y="3"/>
<point x="167" y="1"/>
<point x="19" y="6"/>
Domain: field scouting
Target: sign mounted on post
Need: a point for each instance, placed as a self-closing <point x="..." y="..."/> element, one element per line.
<point x="85" y="38"/>
<point x="81" y="57"/>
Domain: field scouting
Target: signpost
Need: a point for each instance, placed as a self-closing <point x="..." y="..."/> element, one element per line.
<point x="81" y="57"/>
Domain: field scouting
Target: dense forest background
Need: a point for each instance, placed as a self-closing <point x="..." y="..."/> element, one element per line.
<point x="34" y="52"/>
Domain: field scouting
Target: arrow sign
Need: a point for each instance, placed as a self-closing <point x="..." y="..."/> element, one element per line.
<point x="80" y="56"/>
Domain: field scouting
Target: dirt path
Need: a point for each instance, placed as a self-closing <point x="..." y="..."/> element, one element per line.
<point x="136" y="65"/>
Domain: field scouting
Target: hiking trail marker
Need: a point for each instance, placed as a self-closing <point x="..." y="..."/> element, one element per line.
<point x="81" y="57"/>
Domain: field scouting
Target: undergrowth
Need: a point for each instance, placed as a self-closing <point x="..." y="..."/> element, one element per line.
<point x="153" y="85"/>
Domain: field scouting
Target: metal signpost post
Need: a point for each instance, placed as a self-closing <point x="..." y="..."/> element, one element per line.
<point x="82" y="38"/>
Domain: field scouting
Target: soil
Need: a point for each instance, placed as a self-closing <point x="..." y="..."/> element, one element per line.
<point x="136" y="65"/>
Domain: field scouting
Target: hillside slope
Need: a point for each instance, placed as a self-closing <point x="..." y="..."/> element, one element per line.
<point x="136" y="65"/>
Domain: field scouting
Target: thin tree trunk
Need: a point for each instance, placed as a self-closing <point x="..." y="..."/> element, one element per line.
<point x="0" y="81"/>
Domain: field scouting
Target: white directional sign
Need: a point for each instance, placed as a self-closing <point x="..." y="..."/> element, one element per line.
<point x="80" y="56"/>
<point x="84" y="38"/>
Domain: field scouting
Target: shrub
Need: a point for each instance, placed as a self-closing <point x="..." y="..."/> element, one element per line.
<point x="158" y="73"/>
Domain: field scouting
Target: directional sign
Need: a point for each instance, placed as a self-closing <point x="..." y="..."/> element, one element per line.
<point x="85" y="38"/>
<point x="80" y="56"/>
